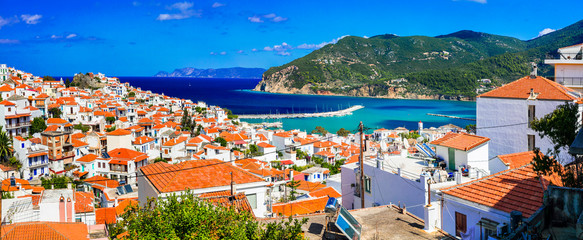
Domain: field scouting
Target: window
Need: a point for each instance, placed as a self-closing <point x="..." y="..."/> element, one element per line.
<point x="531" y="142"/>
<point x="531" y="113"/>
<point x="460" y="224"/>
<point x="367" y="184"/>
<point x="252" y="198"/>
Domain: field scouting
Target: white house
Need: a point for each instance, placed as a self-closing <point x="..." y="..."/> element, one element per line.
<point x="569" y="66"/>
<point x="504" y="114"/>
<point x="119" y="138"/>
<point x="316" y="174"/>
<point x="462" y="150"/>
<point x="475" y="209"/>
<point x="268" y="152"/>
<point x="161" y="179"/>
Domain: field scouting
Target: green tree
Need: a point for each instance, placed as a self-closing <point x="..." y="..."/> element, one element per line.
<point x="38" y="125"/>
<point x="230" y="114"/>
<point x="187" y="217"/>
<point x="561" y="127"/>
<point x="110" y="120"/>
<point x="15" y="163"/>
<point x="5" y="145"/>
<point x="55" y="112"/>
<point x="48" y="78"/>
<point x="111" y="129"/>
<point x="253" y="149"/>
<point x="222" y="141"/>
<point x="319" y="130"/>
<point x="293" y="185"/>
<point x="131" y="94"/>
<point x="82" y="127"/>
<point x="67" y="82"/>
<point x="471" y="128"/>
<point x="343" y="132"/>
<point x="159" y="159"/>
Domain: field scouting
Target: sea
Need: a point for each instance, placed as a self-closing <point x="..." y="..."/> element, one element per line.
<point x="236" y="95"/>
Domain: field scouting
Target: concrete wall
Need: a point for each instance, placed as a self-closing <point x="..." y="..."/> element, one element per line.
<point x="505" y="122"/>
<point x="124" y="141"/>
<point x="496" y="165"/>
<point x="474" y="212"/>
<point x="386" y="188"/>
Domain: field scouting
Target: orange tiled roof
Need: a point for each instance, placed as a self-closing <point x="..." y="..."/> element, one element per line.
<point x="300" y="207"/>
<point x="142" y="140"/>
<point x="224" y="198"/>
<point x="98" y="179"/>
<point x="309" y="186"/>
<point x="119" y="132"/>
<point x="105" y="215"/>
<point x="127" y="154"/>
<point x="327" y="191"/>
<point x="520" y="89"/>
<point x="45" y="230"/>
<point x="515" y="160"/>
<point x="87" y="158"/>
<point x="283" y="134"/>
<point x="265" y="145"/>
<point x="195" y="175"/>
<point x="84" y="202"/>
<point x="121" y="207"/>
<point x="56" y="121"/>
<point x="77" y="143"/>
<point x="461" y="141"/>
<point x="514" y="189"/>
<point x="174" y="141"/>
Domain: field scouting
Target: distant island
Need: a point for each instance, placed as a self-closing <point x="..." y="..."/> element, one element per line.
<point x="456" y="66"/>
<point x="235" y="72"/>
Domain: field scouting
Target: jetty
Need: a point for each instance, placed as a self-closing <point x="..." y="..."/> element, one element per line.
<point x="267" y="124"/>
<point x="447" y="116"/>
<point x="339" y="113"/>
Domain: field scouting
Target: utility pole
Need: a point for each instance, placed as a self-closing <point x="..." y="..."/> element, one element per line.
<point x="360" y="129"/>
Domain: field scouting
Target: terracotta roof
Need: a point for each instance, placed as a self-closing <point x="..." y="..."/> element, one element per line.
<point x="514" y="189"/>
<point x="515" y="160"/>
<point x="324" y="153"/>
<point x="84" y="202"/>
<point x="327" y="191"/>
<point x="77" y="143"/>
<point x="300" y="207"/>
<point x="6" y="168"/>
<point x="105" y="215"/>
<point x="195" y="175"/>
<point x="121" y="207"/>
<point x="461" y="141"/>
<point x="174" y="141"/>
<point x="45" y="230"/>
<point x="56" y="121"/>
<point x="309" y="186"/>
<point x="98" y="179"/>
<point x="7" y="103"/>
<point x="119" y="132"/>
<point x="265" y="145"/>
<point x="224" y="198"/>
<point x="521" y="88"/>
<point x="127" y="154"/>
<point x="87" y="158"/>
<point x="142" y="140"/>
<point x="7" y="188"/>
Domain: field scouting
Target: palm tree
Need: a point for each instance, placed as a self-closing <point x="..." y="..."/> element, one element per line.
<point x="5" y="146"/>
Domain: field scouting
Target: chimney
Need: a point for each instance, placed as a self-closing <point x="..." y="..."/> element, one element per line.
<point x="233" y="186"/>
<point x="69" y="186"/>
<point x="533" y="74"/>
<point x="291" y="175"/>
<point x="115" y="202"/>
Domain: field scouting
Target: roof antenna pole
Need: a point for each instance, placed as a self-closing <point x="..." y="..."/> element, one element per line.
<point x="360" y="129"/>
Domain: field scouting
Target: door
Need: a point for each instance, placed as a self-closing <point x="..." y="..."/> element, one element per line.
<point x="460" y="224"/>
<point x="451" y="156"/>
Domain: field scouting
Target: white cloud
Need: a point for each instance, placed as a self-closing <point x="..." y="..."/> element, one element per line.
<point x="268" y="48"/>
<point x="254" y="50"/>
<point x="283" y="53"/>
<point x="136" y="3"/>
<point x="271" y="15"/>
<point x="9" y="41"/>
<point x="545" y="31"/>
<point x="72" y="35"/>
<point x="4" y="22"/>
<point x="279" y="19"/>
<point x="319" y="45"/>
<point x="479" y="1"/>
<point x="31" y="19"/>
<point x="213" y="53"/>
<point x="241" y="51"/>
<point x="255" y="19"/>
<point x="218" y="4"/>
<point x="56" y="37"/>
<point x="223" y="53"/>
<point x="185" y="9"/>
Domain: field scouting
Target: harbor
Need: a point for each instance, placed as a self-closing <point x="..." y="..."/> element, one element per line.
<point x="339" y="113"/>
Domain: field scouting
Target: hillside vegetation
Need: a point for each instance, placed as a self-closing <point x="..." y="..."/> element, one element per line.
<point x="444" y="67"/>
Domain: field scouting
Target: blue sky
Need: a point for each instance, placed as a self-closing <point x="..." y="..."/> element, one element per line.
<point x="142" y="37"/>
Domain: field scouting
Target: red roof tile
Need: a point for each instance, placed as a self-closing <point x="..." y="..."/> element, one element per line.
<point x="195" y="175"/>
<point x="327" y="191"/>
<point x="45" y="230"/>
<point x="299" y="207"/>
<point x="514" y="189"/>
<point x="105" y="215"/>
<point x="461" y="141"/>
<point x="119" y="132"/>
<point x="515" y="160"/>
<point x="84" y="202"/>
<point x="520" y="89"/>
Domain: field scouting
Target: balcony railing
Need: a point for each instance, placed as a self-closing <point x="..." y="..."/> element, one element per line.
<point x="570" y="81"/>
<point x="564" y="56"/>
<point x="17" y="125"/>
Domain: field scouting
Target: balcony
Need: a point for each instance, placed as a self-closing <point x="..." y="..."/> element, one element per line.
<point x="570" y="81"/>
<point x="62" y="156"/>
<point x="118" y="168"/>
<point x="17" y="125"/>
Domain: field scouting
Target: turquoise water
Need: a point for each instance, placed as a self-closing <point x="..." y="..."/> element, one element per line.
<point x="378" y="113"/>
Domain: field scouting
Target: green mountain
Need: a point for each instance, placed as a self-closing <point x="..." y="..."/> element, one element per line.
<point x="444" y="67"/>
